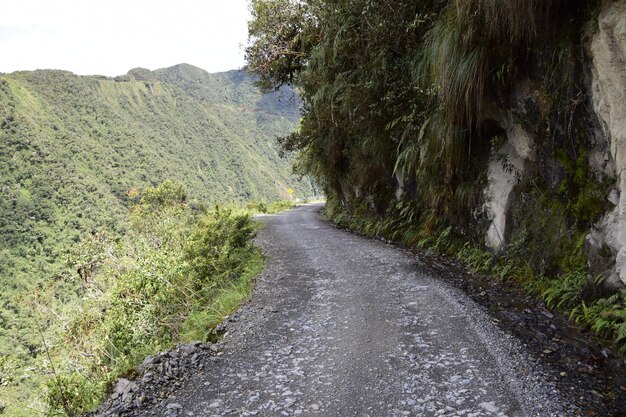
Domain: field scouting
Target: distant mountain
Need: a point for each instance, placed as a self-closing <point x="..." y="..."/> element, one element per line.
<point x="73" y="148"/>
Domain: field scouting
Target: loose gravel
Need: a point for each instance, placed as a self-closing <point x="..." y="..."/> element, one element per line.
<point x="340" y="325"/>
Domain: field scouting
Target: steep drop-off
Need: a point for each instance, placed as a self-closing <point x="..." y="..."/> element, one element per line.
<point x="74" y="150"/>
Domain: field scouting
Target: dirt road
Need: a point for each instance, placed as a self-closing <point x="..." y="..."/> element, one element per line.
<point x="346" y="326"/>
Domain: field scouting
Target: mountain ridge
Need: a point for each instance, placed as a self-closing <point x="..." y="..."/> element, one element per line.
<point x="73" y="149"/>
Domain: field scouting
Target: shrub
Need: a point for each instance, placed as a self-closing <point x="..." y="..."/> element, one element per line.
<point x="178" y="272"/>
<point x="72" y="394"/>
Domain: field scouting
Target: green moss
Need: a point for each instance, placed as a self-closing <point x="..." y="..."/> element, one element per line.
<point x="583" y="193"/>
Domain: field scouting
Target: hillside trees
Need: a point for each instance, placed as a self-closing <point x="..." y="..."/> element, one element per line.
<point x="74" y="153"/>
<point x="357" y="88"/>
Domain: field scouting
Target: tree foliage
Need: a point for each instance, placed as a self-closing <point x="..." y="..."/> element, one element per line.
<point x="401" y="94"/>
<point x="281" y="31"/>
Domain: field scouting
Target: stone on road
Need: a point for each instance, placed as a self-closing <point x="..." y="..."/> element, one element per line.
<point x="341" y="325"/>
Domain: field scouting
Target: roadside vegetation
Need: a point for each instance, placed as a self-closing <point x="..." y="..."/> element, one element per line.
<point x="400" y="100"/>
<point x="176" y="274"/>
<point x="171" y="278"/>
<point x="259" y="207"/>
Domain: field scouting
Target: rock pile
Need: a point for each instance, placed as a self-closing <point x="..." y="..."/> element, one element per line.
<point x="158" y="377"/>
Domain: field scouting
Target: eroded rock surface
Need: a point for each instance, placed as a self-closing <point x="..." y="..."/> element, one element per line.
<point x="608" y="51"/>
<point x="505" y="171"/>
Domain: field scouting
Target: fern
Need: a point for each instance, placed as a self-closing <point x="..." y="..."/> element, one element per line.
<point x="621" y="332"/>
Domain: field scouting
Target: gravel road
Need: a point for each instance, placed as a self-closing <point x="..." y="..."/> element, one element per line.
<point x="341" y="325"/>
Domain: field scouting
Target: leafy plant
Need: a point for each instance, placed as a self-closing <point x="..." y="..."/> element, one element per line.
<point x="72" y="395"/>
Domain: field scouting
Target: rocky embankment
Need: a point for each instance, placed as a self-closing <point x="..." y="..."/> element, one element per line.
<point x="156" y="381"/>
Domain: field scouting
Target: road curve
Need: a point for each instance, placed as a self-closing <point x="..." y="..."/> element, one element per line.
<point x="341" y="325"/>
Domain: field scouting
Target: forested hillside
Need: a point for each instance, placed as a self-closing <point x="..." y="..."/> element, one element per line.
<point x="76" y="151"/>
<point x="492" y="131"/>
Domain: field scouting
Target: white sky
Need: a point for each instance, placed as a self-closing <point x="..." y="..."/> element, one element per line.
<point x="109" y="37"/>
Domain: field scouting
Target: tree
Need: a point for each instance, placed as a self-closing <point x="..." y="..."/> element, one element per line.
<point x="282" y="33"/>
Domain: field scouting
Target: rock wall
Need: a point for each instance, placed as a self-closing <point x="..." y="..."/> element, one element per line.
<point x="505" y="172"/>
<point x="607" y="157"/>
<point x="608" y="92"/>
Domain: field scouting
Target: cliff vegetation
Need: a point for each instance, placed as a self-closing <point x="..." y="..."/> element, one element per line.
<point x="488" y="130"/>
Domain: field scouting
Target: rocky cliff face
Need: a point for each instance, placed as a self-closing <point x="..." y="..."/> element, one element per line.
<point x="530" y="163"/>
<point x="513" y="161"/>
<point x="506" y="172"/>
<point x="608" y="92"/>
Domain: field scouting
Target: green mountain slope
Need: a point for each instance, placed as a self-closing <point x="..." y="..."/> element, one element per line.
<point x="73" y="148"/>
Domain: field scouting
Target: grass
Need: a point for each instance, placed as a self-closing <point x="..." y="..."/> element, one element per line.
<point x="200" y="323"/>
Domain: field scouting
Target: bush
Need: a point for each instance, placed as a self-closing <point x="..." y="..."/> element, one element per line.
<point x="178" y="272"/>
<point x="256" y="206"/>
<point x="280" y="205"/>
<point x="218" y="247"/>
<point x="72" y="394"/>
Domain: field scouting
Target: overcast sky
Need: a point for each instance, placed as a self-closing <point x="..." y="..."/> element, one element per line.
<point x="109" y="37"/>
